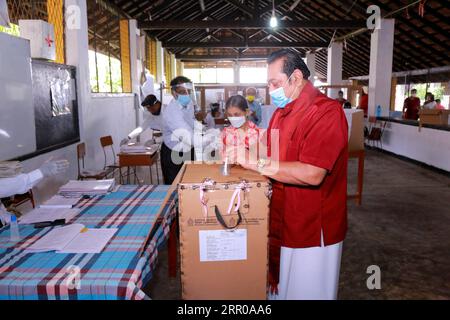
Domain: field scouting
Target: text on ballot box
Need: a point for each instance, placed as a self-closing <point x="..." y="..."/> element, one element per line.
<point x="221" y="245"/>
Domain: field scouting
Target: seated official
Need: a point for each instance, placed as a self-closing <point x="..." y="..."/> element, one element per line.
<point x="22" y="183"/>
<point x="210" y="122"/>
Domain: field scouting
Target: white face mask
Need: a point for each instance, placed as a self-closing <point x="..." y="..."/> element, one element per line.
<point x="237" y="122"/>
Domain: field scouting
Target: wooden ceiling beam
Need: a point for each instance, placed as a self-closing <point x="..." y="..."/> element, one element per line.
<point x="242" y="44"/>
<point x="239" y="24"/>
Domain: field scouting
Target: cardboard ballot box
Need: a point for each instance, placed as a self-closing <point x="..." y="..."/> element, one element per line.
<point x="223" y="233"/>
<point x="434" y="116"/>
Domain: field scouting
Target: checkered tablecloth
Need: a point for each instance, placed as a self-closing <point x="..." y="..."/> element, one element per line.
<point x="119" y="272"/>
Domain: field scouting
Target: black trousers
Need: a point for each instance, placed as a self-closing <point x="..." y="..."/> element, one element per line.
<point x="169" y="168"/>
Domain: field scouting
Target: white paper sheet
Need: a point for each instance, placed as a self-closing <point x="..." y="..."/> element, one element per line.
<point x="91" y="241"/>
<point x="58" y="201"/>
<point x="56" y="239"/>
<point x="87" y="187"/>
<point x="48" y="214"/>
<point x="221" y="245"/>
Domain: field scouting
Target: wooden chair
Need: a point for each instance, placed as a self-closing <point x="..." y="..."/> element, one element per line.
<point x="375" y="132"/>
<point x="108" y="147"/>
<point x="88" y="174"/>
<point x="19" y="199"/>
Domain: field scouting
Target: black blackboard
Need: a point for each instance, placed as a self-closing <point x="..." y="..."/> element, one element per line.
<point x="52" y="132"/>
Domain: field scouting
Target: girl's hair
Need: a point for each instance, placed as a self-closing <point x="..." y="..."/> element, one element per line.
<point x="237" y="101"/>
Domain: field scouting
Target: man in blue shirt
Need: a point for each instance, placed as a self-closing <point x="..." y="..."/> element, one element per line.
<point x="254" y="105"/>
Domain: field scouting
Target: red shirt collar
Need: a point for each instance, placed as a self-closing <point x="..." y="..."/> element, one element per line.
<point x="305" y="98"/>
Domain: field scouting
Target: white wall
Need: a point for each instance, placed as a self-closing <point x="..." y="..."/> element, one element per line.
<point x="429" y="146"/>
<point x="113" y="116"/>
<point x="103" y="116"/>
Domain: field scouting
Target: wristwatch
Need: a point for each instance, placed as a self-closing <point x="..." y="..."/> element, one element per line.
<point x="261" y="163"/>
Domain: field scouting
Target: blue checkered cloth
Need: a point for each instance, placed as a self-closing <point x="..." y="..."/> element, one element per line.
<point x="119" y="272"/>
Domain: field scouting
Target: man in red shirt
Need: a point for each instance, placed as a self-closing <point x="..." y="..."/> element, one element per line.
<point x="411" y="106"/>
<point x="364" y="102"/>
<point x="341" y="98"/>
<point x="308" y="213"/>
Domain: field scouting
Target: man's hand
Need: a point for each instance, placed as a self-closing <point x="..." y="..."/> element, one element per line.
<point x="241" y="156"/>
<point x="51" y="168"/>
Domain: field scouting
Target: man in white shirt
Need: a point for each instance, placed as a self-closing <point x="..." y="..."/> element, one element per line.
<point x="178" y="128"/>
<point x="152" y="118"/>
<point x="22" y="183"/>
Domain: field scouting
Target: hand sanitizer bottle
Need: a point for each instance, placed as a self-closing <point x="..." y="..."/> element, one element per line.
<point x="378" y="111"/>
<point x="14" y="228"/>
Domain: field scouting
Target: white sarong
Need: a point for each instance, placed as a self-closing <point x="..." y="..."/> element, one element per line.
<point x="309" y="273"/>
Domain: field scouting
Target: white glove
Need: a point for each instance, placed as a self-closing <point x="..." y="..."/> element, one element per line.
<point x="52" y="168"/>
<point x="5" y="217"/>
<point x="124" y="141"/>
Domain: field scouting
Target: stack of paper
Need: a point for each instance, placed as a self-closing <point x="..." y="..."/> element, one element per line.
<point x="48" y="214"/>
<point x="60" y="202"/>
<point x="136" y="148"/>
<point x="10" y="169"/>
<point x="74" y="238"/>
<point x="76" y="188"/>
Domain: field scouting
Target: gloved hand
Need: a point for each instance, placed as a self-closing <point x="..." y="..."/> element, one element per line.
<point x="124" y="141"/>
<point x="52" y="168"/>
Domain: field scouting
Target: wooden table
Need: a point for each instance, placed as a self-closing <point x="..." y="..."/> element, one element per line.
<point x="139" y="159"/>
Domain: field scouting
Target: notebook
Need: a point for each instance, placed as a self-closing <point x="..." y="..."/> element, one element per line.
<point x="58" y="201"/>
<point x="48" y="214"/>
<point x="76" y="188"/>
<point x="73" y="238"/>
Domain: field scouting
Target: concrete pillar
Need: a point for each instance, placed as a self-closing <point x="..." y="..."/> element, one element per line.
<point x="159" y="62"/>
<point x="236" y="75"/>
<point x="393" y="93"/>
<point x="380" y="75"/>
<point x="334" y="69"/>
<point x="135" y="68"/>
<point x="77" y="54"/>
<point x="311" y="64"/>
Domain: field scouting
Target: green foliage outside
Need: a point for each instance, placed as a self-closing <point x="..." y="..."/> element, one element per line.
<point x="434" y="88"/>
<point x="104" y="75"/>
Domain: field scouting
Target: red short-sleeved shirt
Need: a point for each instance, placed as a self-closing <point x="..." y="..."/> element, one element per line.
<point x="364" y="103"/>
<point x="313" y="129"/>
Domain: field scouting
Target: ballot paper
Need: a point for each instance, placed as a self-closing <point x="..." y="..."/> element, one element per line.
<point x="48" y="214"/>
<point x="60" y="202"/>
<point x="76" y="188"/>
<point x="74" y="238"/>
